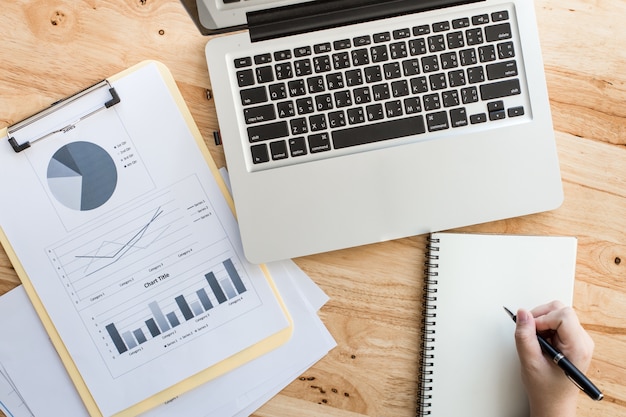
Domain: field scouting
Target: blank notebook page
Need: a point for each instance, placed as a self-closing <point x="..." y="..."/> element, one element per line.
<point x="475" y="365"/>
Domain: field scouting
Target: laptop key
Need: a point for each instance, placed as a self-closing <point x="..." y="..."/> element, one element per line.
<point x="286" y="109"/>
<point x="282" y="55"/>
<point x="487" y="53"/>
<point x="259" y="153"/>
<point x="474" y="36"/>
<point x="321" y="64"/>
<point x="377" y="132"/>
<point x="499" y="16"/>
<point x="298" y="126"/>
<point x="245" y="78"/>
<point x="259" y="114"/>
<point x="478" y="118"/>
<point x="401" y="33"/>
<point x="342" y="44"/>
<point x="501" y="70"/>
<point x="262" y="59"/>
<point x="354" y="77"/>
<point x="319" y="142"/>
<point x="460" y="23"/>
<point x="498" y="32"/>
<point x="356" y="115"/>
<point x="437" y="121"/>
<point x="322" y="48"/>
<point x="253" y="96"/>
<point x="417" y="46"/>
<point x="506" y="50"/>
<point x="373" y="74"/>
<point x="302" y="51"/>
<point x="497" y="115"/>
<point x="379" y="53"/>
<point x="458" y="117"/>
<point x="315" y="84"/>
<point x="516" y="111"/>
<point x="500" y="89"/>
<point x="303" y="67"/>
<point x="374" y="112"/>
<point x="297" y="146"/>
<point x="317" y="122"/>
<point x="362" y="40"/>
<point x="495" y="105"/>
<point x="268" y="131"/>
<point x="360" y="57"/>
<point x="278" y="91"/>
<point x="243" y="62"/>
<point x="441" y="26"/>
<point x="278" y="150"/>
<point x="337" y="119"/>
<point x="469" y="95"/>
<point x="264" y="74"/>
<point x="382" y="37"/>
<point x="480" y="19"/>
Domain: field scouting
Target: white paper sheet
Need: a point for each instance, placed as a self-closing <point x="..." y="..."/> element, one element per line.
<point x="11" y="402"/>
<point x="41" y="378"/>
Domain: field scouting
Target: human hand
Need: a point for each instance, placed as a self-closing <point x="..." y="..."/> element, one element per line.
<point x="550" y="392"/>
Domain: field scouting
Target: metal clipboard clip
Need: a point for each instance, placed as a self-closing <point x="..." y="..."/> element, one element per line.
<point x="59" y="106"/>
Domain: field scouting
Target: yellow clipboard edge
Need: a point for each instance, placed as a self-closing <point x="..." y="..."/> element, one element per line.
<point x="264" y="346"/>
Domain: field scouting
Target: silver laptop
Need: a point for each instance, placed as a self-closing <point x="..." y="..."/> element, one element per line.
<point x="350" y="122"/>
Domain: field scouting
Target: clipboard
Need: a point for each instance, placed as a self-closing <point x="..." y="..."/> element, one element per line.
<point x="29" y="134"/>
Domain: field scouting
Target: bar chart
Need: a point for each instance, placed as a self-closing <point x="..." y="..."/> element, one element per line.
<point x="187" y="307"/>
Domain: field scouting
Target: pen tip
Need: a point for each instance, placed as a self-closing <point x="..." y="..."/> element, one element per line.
<point x="509" y="312"/>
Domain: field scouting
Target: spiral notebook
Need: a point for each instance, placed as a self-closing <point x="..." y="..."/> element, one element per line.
<point x="469" y="364"/>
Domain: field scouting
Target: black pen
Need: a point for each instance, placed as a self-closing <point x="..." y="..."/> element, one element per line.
<point x="577" y="377"/>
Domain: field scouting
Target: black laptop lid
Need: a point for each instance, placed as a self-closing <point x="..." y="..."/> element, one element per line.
<point x="320" y="14"/>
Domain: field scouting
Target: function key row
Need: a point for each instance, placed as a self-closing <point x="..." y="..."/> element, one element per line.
<point x="376" y="38"/>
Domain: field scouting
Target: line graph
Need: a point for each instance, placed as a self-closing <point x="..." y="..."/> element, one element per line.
<point x="132" y="250"/>
<point x="124" y="249"/>
<point x="110" y="252"/>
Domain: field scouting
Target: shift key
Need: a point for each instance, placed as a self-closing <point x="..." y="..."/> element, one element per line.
<point x="268" y="131"/>
<point x="500" y="89"/>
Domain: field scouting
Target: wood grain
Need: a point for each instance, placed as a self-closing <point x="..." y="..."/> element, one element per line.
<point x="55" y="48"/>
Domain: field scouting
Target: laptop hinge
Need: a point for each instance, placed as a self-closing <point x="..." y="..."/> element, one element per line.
<point x="324" y="14"/>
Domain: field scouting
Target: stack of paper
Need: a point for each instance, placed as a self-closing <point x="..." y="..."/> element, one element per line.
<point x="123" y="233"/>
<point x="33" y="381"/>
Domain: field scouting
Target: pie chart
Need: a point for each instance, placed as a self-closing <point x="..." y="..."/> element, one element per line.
<point x="82" y="176"/>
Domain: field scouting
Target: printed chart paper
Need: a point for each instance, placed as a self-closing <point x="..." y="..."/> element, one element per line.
<point x="130" y="245"/>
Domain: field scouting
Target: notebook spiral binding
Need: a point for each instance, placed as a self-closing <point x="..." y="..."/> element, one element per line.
<point x="427" y="331"/>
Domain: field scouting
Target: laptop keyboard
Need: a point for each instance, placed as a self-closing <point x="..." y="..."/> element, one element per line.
<point x="346" y="94"/>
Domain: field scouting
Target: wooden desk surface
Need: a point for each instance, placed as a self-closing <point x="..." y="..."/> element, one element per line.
<point x="55" y="48"/>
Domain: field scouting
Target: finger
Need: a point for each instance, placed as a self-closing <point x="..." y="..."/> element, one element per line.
<point x="526" y="343"/>
<point x="546" y="308"/>
<point x="564" y="321"/>
<point x="569" y="336"/>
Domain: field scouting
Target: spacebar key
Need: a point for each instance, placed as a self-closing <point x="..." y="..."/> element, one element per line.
<point x="377" y="132"/>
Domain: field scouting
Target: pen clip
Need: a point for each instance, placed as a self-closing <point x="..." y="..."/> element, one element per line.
<point x="592" y="391"/>
<point x="574" y="381"/>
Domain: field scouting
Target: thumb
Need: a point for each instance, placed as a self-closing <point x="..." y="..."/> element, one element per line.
<point x="526" y="337"/>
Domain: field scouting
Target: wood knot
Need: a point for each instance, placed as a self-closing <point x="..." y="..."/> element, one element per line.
<point x="57" y="18"/>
